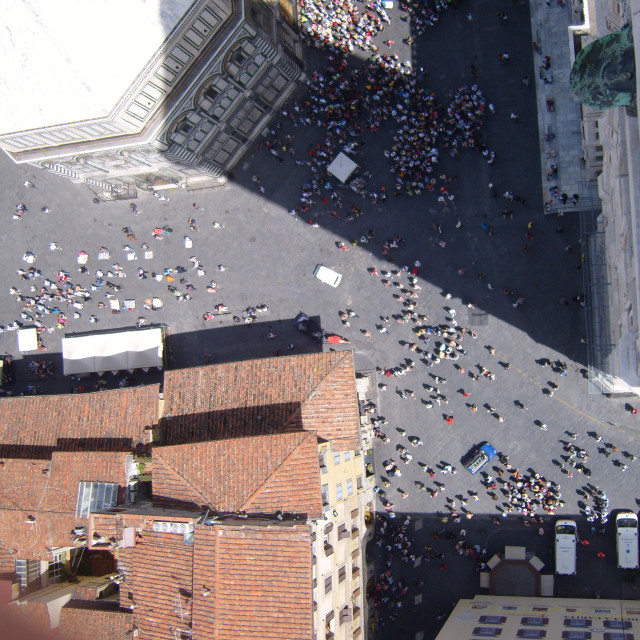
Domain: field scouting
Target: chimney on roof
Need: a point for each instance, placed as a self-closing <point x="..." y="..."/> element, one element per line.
<point x="205" y="590"/>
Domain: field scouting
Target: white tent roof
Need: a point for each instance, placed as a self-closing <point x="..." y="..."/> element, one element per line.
<point x="27" y="339"/>
<point x="342" y="167"/>
<point x="112" y="351"/>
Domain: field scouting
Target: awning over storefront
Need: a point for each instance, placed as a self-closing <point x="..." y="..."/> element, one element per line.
<point x="112" y="351"/>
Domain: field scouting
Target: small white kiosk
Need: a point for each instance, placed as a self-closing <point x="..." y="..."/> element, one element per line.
<point x="27" y="339"/>
<point x="342" y="167"/>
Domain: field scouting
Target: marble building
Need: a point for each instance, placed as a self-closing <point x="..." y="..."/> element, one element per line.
<point x="611" y="149"/>
<point x="132" y="95"/>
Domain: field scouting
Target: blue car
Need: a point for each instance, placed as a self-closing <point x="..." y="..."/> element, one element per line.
<point x="481" y="455"/>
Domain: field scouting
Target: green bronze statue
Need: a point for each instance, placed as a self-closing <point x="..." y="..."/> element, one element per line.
<point x="604" y="72"/>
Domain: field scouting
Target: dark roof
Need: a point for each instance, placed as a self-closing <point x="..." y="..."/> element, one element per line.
<point x="515" y="578"/>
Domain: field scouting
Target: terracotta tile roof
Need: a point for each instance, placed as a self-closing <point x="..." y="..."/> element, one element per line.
<point x="25" y="491"/>
<point x="160" y="579"/>
<point x="258" y="581"/>
<point x="88" y="620"/>
<point x="259" y="474"/>
<point x="34" y="540"/>
<point x="31" y="427"/>
<point x="235" y="582"/>
<point x="315" y="392"/>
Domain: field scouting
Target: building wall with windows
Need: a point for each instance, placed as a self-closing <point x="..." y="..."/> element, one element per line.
<point x="511" y="618"/>
<point x="214" y="80"/>
<point x="338" y="551"/>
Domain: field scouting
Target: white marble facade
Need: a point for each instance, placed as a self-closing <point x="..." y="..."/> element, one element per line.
<point x="159" y="94"/>
<point x="612" y="141"/>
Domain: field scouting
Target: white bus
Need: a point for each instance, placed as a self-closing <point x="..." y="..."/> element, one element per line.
<point x="627" y="540"/>
<point x="566" y="540"/>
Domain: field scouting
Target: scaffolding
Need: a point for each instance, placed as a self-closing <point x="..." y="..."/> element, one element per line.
<point x="596" y="288"/>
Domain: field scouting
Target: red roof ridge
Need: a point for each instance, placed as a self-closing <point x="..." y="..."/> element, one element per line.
<point x="191" y="485"/>
<point x="336" y="405"/>
<point x="338" y="361"/>
<point x="305" y="435"/>
<point x="334" y="362"/>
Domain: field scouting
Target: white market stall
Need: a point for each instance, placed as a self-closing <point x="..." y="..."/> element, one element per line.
<point x="27" y="339"/>
<point x="113" y="351"/>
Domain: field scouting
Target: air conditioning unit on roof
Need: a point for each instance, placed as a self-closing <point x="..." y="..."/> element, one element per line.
<point x="173" y="527"/>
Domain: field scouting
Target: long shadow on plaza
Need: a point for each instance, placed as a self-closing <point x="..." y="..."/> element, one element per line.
<point x="443" y="571"/>
<point x="224" y="343"/>
<point x="216" y="344"/>
<point x="487" y="260"/>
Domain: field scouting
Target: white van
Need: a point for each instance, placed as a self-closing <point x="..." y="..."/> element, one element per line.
<point x="328" y="276"/>
<point x="627" y="540"/>
<point x="566" y="540"/>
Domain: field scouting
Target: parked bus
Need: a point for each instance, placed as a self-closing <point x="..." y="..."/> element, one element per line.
<point x="566" y="540"/>
<point x="627" y="540"/>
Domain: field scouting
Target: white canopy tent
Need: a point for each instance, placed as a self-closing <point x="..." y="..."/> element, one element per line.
<point x="342" y="167"/>
<point x="27" y="339"/>
<point x="112" y="351"/>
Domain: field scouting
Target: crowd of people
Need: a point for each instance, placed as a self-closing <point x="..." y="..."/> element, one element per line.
<point x="346" y="27"/>
<point x="341" y="25"/>
<point x="425" y="14"/>
<point x="67" y="297"/>
<point x="350" y="103"/>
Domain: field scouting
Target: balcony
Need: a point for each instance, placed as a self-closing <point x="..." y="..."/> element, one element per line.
<point x="355" y="532"/>
<point x="345" y="615"/>
<point x="355" y="572"/>
<point x="356" y="612"/>
<point x="328" y="550"/>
